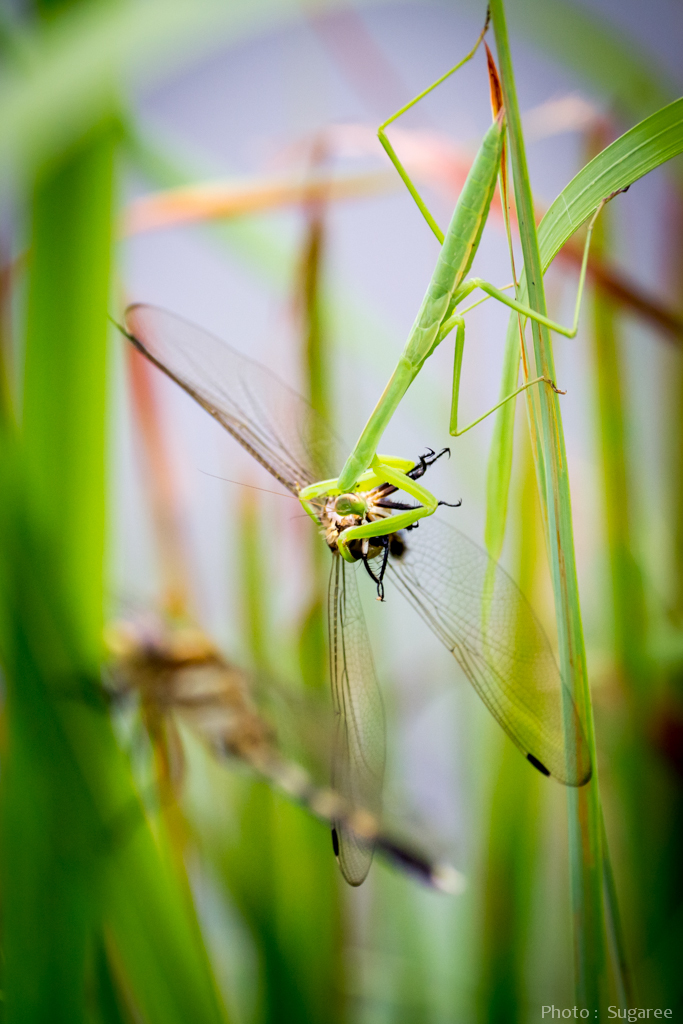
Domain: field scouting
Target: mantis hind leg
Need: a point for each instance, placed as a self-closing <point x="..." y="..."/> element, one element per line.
<point x="457" y="369"/>
<point x="493" y="292"/>
<point x="390" y="151"/>
<point x="456" y="320"/>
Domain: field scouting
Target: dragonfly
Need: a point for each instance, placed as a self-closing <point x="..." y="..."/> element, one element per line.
<point x="175" y="670"/>
<point x="469" y="602"/>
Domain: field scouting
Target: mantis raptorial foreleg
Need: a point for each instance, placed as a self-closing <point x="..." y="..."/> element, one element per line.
<point x="398" y="477"/>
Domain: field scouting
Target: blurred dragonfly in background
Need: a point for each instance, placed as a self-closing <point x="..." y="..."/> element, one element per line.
<point x="177" y="674"/>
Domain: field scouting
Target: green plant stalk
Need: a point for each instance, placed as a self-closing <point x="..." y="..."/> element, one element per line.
<point x="512" y="849"/>
<point x="499" y="468"/>
<point x="312" y="640"/>
<point x="76" y="849"/>
<point x="628" y="595"/>
<point x="253" y="582"/>
<point x="584" y="804"/>
<point x="65" y="500"/>
<point x="64" y="377"/>
<point x="313" y="649"/>
<point x="250" y="866"/>
<point x="508" y="888"/>
<point x="615" y="930"/>
<point x="636" y="771"/>
<point x="7" y="410"/>
<point x="110" y="1003"/>
<point x="289" y="855"/>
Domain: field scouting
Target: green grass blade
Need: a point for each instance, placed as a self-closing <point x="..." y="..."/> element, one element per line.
<point x="65" y="369"/>
<point x="76" y="847"/>
<point x="66" y="485"/>
<point x="628" y="592"/>
<point x="279" y="868"/>
<point x="514" y="827"/>
<point x="155" y="937"/>
<point x="628" y="596"/>
<point x="585" y="815"/>
<point x="648" y="145"/>
<point x="110" y="1005"/>
<point x="615" y="929"/>
<point x="510" y="862"/>
<point x="499" y="468"/>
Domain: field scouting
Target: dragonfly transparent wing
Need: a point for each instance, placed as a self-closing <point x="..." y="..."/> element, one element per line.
<point x="481" y="616"/>
<point x="282" y="431"/>
<point x="359" y="746"/>
<point x="275" y="424"/>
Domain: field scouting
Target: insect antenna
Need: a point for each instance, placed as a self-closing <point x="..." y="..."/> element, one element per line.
<point x="241" y="483"/>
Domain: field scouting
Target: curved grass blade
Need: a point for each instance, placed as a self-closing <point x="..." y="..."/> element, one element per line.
<point x="638" y="151"/>
<point x="505" y="654"/>
<point x="359" y="747"/>
<point x="634" y="154"/>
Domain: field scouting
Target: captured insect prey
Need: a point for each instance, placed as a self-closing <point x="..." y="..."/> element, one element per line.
<point x="467" y="600"/>
<point x="338" y="514"/>
<point x="176" y="673"/>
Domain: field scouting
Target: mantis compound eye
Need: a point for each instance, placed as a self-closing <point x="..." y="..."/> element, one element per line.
<point x="350" y="505"/>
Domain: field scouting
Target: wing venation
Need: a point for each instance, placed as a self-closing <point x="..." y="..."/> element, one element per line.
<point x="481" y="616"/>
<point x="359" y="746"/>
<point x="274" y="423"/>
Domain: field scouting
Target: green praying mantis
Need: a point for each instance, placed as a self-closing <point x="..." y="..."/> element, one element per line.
<point x="467" y="600"/>
<point x="437" y="317"/>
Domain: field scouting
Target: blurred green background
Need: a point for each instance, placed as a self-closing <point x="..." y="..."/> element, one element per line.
<point x="141" y="878"/>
